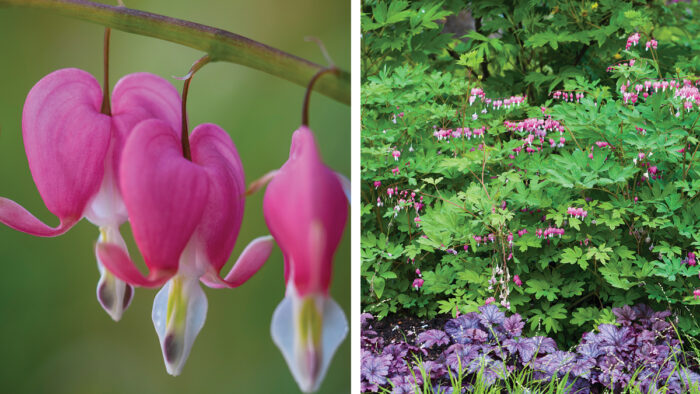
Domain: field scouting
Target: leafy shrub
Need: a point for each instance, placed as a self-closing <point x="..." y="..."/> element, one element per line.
<point x="558" y="211"/>
<point x="519" y="46"/>
<point x="488" y="349"/>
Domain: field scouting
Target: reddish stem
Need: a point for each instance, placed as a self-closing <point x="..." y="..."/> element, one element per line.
<point x="106" y="108"/>
<point x="309" y="88"/>
<point x="185" y="138"/>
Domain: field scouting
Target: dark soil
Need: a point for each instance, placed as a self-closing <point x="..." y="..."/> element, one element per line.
<point x="399" y="328"/>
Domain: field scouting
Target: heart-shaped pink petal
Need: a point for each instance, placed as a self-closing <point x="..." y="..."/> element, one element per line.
<point x="165" y="195"/>
<point x="138" y="97"/>
<point x="66" y="140"/>
<point x="214" y="151"/>
<point x="305" y="209"/>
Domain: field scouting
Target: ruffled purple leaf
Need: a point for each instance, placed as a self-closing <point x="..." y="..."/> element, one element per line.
<point x="434" y="369"/>
<point x="513" y="325"/>
<point x="544" y="344"/>
<point x="614" y="339"/>
<point x="365" y="318"/>
<point x="431" y="338"/>
<point x="476" y="335"/>
<point x="582" y="367"/>
<point x="491" y="316"/>
<point x="526" y="348"/>
<point x="396" y="350"/>
<point x="457" y="328"/>
<point x="374" y="369"/>
<point x="589" y="350"/>
<point x="625" y="315"/>
<point x="490" y="369"/>
<point x="556" y="362"/>
<point x="643" y="312"/>
<point x="459" y="356"/>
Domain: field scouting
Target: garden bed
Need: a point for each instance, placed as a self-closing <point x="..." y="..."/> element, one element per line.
<point x="487" y="352"/>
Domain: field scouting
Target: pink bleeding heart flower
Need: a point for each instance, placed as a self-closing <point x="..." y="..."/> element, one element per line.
<point x="517" y="281"/>
<point x="185" y="216"/>
<point x="418" y="283"/>
<point x="306" y="211"/>
<point x="74" y="149"/>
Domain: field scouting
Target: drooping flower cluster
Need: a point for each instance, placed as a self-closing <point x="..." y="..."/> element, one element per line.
<point x="632" y="40"/>
<point x="466" y="132"/>
<point x="405" y="199"/>
<point x="131" y="158"/>
<point x="651" y="44"/>
<point x="576" y="212"/>
<point x="418" y="282"/>
<point x="536" y="129"/>
<point x="549" y="232"/>
<point x="570" y="96"/>
<point x="75" y="146"/>
<point x="495" y="103"/>
<point x="685" y="93"/>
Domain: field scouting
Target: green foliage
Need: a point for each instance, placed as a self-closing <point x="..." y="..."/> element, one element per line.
<point x="633" y="244"/>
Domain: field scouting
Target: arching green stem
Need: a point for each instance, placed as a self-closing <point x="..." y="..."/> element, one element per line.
<point x="221" y="45"/>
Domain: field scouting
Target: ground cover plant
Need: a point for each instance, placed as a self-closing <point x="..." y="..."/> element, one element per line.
<point x="542" y="160"/>
<point x="486" y="351"/>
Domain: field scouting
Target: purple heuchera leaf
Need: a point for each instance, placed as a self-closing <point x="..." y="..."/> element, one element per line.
<point x="459" y="356"/>
<point x="491" y="316"/>
<point x="396" y="350"/>
<point x="556" y="362"/>
<point x="456" y="328"/>
<point x="582" y="367"/>
<point x="612" y="371"/>
<point x="366" y="386"/>
<point x="416" y="349"/>
<point x="476" y="335"/>
<point x="611" y="357"/>
<point x="405" y="384"/>
<point x="614" y="339"/>
<point x="404" y="388"/>
<point x="589" y="350"/>
<point x="625" y="315"/>
<point x="491" y="368"/>
<point x="544" y="344"/>
<point x="646" y="336"/>
<point x="375" y="369"/>
<point x="434" y="369"/>
<point x="431" y="338"/>
<point x="525" y="347"/>
<point x="643" y="312"/>
<point x="365" y="319"/>
<point x="514" y="325"/>
<point x="688" y="377"/>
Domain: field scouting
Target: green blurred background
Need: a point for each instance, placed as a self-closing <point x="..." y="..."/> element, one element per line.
<point x="54" y="336"/>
